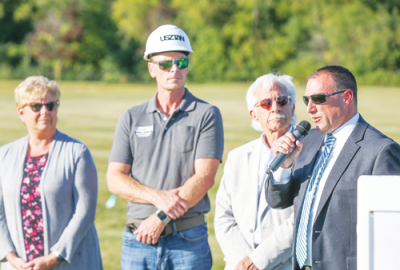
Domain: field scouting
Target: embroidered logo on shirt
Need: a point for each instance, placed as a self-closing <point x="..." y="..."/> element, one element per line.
<point x="143" y="131"/>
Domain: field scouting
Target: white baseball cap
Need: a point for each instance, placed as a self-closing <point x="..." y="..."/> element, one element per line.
<point x="167" y="38"/>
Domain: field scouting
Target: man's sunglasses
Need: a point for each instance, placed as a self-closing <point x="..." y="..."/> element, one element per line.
<point x="168" y="64"/>
<point x="267" y="103"/>
<point x="319" y="98"/>
<point x="36" y="107"/>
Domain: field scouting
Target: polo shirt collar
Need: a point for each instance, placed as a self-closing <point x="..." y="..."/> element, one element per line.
<point x="188" y="103"/>
<point x="151" y="104"/>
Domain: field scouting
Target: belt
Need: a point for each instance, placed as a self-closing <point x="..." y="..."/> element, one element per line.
<point x="173" y="226"/>
<point x="306" y="268"/>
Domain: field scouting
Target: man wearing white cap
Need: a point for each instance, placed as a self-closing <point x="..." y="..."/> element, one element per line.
<point x="164" y="158"/>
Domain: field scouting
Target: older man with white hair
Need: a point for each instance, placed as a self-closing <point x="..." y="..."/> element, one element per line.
<point x="250" y="233"/>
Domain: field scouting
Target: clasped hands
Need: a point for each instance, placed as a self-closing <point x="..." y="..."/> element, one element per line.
<point x="168" y="201"/>
<point x="41" y="263"/>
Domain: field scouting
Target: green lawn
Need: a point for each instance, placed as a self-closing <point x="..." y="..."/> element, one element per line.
<point x="89" y="112"/>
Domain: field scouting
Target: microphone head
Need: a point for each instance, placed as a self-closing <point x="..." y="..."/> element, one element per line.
<point x="303" y="128"/>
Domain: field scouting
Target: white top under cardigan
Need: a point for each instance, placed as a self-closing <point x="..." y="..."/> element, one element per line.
<point x="69" y="197"/>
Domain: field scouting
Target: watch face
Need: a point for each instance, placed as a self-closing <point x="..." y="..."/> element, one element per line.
<point x="161" y="215"/>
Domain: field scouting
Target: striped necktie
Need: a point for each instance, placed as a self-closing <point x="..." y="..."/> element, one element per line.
<point x="301" y="240"/>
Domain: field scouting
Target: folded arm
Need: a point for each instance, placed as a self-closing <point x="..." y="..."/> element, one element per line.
<point x="173" y="202"/>
<point x="122" y="184"/>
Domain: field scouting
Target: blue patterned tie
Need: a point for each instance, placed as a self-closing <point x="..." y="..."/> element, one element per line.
<point x="301" y="241"/>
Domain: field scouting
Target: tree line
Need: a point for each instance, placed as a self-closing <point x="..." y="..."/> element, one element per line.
<point x="233" y="40"/>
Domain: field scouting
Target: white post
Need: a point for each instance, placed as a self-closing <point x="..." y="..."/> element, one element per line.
<point x="378" y="222"/>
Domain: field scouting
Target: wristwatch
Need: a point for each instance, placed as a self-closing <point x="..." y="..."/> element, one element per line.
<point x="162" y="216"/>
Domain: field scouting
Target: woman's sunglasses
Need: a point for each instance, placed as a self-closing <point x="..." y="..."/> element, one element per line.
<point x="267" y="103"/>
<point x="319" y="98"/>
<point x="36" y="107"/>
<point x="168" y="64"/>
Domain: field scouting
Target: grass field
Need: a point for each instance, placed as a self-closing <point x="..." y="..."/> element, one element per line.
<point x="89" y="112"/>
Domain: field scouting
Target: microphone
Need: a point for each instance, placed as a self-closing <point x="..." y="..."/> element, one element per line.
<point x="301" y="131"/>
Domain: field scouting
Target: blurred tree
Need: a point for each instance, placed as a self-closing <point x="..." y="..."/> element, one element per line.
<point x="232" y="39"/>
<point x="12" y="37"/>
<point x="103" y="46"/>
<point x="57" y="36"/>
<point x="73" y="36"/>
<point x="364" y="37"/>
<point x="235" y="40"/>
<point x="138" y="18"/>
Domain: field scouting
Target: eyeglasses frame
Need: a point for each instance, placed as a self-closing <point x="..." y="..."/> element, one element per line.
<point x="259" y="103"/>
<point x="43" y="104"/>
<point x="173" y="63"/>
<point x="328" y="95"/>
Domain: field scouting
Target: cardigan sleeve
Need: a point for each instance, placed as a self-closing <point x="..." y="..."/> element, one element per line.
<point x="6" y="245"/>
<point x="85" y="199"/>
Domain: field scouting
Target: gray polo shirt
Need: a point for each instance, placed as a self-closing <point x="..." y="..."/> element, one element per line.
<point x="162" y="149"/>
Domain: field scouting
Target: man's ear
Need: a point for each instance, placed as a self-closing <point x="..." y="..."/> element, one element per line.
<point x="348" y="96"/>
<point x="253" y="115"/>
<point x="151" y="68"/>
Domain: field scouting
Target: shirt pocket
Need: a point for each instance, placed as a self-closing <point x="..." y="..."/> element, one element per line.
<point x="183" y="139"/>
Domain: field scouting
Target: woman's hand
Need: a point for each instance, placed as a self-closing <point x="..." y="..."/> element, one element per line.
<point x="15" y="261"/>
<point x="42" y="263"/>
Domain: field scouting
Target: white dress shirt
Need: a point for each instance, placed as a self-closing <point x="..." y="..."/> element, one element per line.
<point x="266" y="158"/>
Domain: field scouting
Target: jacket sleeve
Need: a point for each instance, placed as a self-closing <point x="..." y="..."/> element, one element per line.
<point x="277" y="248"/>
<point x="388" y="160"/>
<point x="85" y="200"/>
<point x="278" y="194"/>
<point x="227" y="232"/>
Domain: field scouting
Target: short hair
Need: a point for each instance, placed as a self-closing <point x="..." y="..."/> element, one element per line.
<point x="343" y="79"/>
<point x="267" y="82"/>
<point x="35" y="87"/>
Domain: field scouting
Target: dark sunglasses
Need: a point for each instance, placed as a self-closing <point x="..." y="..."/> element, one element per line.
<point x="36" y="107"/>
<point x="319" y="98"/>
<point x="267" y="103"/>
<point x="168" y="64"/>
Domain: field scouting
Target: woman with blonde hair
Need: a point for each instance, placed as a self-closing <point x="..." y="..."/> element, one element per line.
<point x="48" y="190"/>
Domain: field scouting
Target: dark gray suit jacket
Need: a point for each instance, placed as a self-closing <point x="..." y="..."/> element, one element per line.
<point x="334" y="240"/>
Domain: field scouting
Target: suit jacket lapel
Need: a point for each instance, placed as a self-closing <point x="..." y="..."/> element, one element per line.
<point x="253" y="166"/>
<point x="263" y="203"/>
<point x="350" y="148"/>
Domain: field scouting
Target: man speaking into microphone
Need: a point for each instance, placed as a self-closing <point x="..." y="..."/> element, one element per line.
<point x="324" y="169"/>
